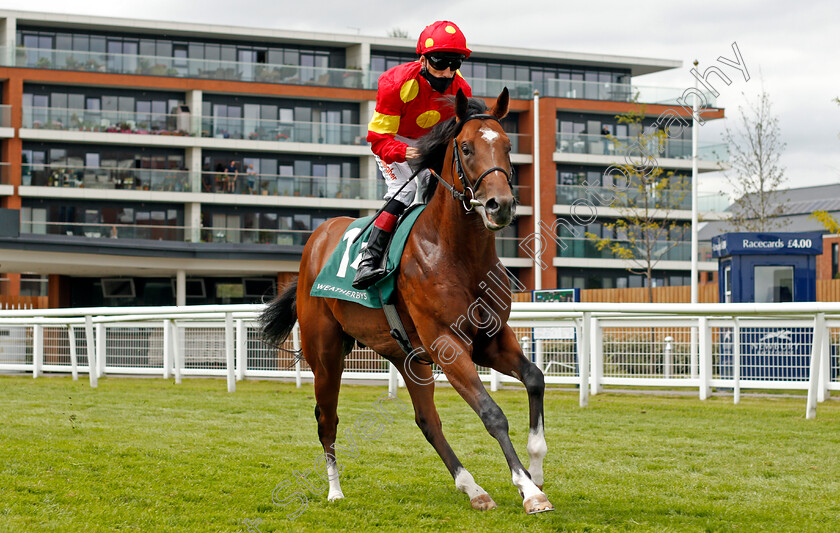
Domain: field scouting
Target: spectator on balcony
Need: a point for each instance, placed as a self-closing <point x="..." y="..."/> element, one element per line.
<point x="252" y="178"/>
<point x="408" y="105"/>
<point x="231" y="176"/>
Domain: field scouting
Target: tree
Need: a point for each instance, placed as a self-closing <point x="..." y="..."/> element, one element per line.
<point x="755" y="174"/>
<point x="398" y="33"/>
<point x="643" y="234"/>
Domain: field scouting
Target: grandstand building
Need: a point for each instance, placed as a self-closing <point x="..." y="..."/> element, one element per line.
<point x="160" y="163"/>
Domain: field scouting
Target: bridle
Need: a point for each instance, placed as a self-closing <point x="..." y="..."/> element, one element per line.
<point x="467" y="197"/>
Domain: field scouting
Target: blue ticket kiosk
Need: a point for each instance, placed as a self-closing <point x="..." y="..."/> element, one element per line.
<point x="768" y="268"/>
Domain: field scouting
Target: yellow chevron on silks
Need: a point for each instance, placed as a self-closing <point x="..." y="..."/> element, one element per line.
<point x="384" y="124"/>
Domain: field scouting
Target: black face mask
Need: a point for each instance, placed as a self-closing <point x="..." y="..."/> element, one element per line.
<point x="438" y="84"/>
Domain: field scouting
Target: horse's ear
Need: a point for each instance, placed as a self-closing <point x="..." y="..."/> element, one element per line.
<point x="500" y="110"/>
<point x="461" y="105"/>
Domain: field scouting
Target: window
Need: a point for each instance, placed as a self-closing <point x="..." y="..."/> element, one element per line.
<point x="773" y="284"/>
<point x="727" y="284"/>
<point x="835" y="259"/>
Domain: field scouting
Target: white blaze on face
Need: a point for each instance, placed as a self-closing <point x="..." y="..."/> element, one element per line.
<point x="488" y="135"/>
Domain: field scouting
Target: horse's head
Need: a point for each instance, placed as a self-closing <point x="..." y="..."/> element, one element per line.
<point x="482" y="151"/>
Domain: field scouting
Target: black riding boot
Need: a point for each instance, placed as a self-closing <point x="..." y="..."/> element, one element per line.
<point x="370" y="267"/>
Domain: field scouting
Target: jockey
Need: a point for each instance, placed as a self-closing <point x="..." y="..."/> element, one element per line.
<point x="408" y="104"/>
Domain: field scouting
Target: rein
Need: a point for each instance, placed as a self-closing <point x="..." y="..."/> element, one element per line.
<point x="468" y="195"/>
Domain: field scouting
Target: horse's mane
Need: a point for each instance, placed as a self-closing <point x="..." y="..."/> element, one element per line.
<point x="433" y="145"/>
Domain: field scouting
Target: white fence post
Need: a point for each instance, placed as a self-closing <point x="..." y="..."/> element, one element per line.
<point x="230" y="361"/>
<point x="100" y="350"/>
<point x="91" y="351"/>
<point x="668" y="357"/>
<point x="583" y="357"/>
<point x="74" y="357"/>
<point x="241" y="349"/>
<point x="393" y="383"/>
<point x="539" y="354"/>
<point x="693" y="352"/>
<point x="704" y="336"/>
<point x="825" y="366"/>
<point x="736" y="360"/>
<point x="296" y="348"/>
<point x="494" y="380"/>
<point x="37" y="349"/>
<point x="167" y="348"/>
<point x="597" y="343"/>
<point x="177" y="352"/>
<point x="816" y="359"/>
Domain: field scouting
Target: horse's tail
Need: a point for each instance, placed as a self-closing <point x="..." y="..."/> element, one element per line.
<point x="280" y="316"/>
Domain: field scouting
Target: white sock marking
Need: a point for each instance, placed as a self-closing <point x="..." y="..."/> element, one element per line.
<point x="537" y="449"/>
<point x="466" y="484"/>
<point x="524" y="484"/>
<point x="335" y="487"/>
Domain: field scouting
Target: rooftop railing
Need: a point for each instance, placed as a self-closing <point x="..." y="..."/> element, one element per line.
<point x="175" y="67"/>
<point x="322" y="76"/>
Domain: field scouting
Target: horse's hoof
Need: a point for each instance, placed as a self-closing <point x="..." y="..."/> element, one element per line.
<point x="537" y="504"/>
<point x="483" y="502"/>
<point x="333" y="496"/>
<point x="540" y="487"/>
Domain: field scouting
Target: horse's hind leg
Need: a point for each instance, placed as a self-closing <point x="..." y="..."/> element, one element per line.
<point x="324" y="346"/>
<point x="420" y="384"/>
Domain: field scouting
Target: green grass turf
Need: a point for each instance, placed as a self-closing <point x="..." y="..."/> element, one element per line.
<point x="149" y="455"/>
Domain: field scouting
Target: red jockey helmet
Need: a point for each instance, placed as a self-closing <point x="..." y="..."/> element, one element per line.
<point x="442" y="36"/>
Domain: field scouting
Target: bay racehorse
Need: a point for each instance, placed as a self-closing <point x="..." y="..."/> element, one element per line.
<point x="445" y="297"/>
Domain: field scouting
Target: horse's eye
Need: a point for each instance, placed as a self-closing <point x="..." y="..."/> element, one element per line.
<point x="465" y="148"/>
<point x="507" y="148"/>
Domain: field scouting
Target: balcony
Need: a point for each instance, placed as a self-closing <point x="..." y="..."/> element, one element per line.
<point x="583" y="248"/>
<point x="632" y="197"/>
<point x="6" y="187"/>
<point x="65" y="119"/>
<point x="163" y="180"/>
<point x="617" y="92"/>
<point x="111" y="178"/>
<point x="165" y="232"/>
<point x="578" y="143"/>
<point x="275" y="130"/>
<point x="173" y="67"/>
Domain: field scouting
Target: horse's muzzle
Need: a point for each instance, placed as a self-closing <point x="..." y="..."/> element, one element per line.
<point x="498" y="212"/>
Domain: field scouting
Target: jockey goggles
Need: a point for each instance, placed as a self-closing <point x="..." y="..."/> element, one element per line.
<point x="442" y="61"/>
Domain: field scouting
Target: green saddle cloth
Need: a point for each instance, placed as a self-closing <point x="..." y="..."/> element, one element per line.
<point x="336" y="278"/>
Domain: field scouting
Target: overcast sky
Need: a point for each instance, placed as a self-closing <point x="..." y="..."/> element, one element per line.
<point x="791" y="45"/>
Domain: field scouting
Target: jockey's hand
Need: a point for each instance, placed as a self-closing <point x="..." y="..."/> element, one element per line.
<point x="412" y="153"/>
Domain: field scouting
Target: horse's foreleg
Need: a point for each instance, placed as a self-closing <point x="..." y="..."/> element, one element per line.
<point x="505" y="355"/>
<point x="464" y="378"/>
<point x="419" y="381"/>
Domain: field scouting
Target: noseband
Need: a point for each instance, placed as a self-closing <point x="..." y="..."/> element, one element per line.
<point x="467" y="198"/>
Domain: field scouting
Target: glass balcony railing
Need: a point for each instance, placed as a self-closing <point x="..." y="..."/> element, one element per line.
<point x="507" y="246"/>
<point x="138" y="179"/>
<point x="579" y="143"/>
<point x="178" y="67"/>
<point x="275" y="130"/>
<point x="211" y="182"/>
<point x="255" y="235"/>
<point x="617" y="92"/>
<point x="630" y="197"/>
<point x="5" y="116"/>
<point x="520" y="143"/>
<point x="299" y="186"/>
<point x="64" y="119"/>
<point x="584" y="248"/>
<point x="164" y="232"/>
<point x="674" y="198"/>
